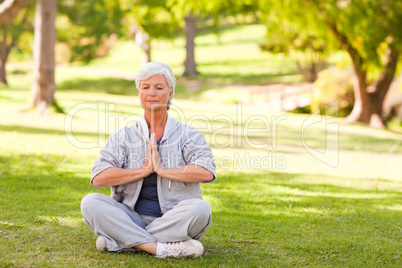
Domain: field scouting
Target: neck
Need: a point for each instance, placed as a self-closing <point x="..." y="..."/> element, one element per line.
<point x="156" y="120"/>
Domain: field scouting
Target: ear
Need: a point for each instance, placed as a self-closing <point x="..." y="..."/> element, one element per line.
<point x="170" y="94"/>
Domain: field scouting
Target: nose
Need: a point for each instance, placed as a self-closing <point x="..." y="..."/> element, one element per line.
<point x="152" y="90"/>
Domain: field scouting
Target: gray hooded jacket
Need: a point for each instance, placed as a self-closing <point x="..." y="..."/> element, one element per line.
<point x="181" y="145"/>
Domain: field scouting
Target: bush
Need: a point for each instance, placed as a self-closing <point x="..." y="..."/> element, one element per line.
<point x="334" y="84"/>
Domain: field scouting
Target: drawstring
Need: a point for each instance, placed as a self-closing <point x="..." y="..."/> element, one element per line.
<point x="168" y="158"/>
<point x="167" y="151"/>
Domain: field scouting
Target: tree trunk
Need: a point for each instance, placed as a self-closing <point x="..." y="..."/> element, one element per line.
<point x="143" y="41"/>
<point x="9" y="9"/>
<point x="147" y="54"/>
<point x="190" y="67"/>
<point x="44" y="86"/>
<point x="368" y="107"/>
<point x="5" y="51"/>
<point x="3" y="78"/>
<point x="6" y="47"/>
<point x="369" y="100"/>
<point x="3" y="58"/>
<point x="360" y="96"/>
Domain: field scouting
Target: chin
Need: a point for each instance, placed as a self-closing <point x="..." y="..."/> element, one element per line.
<point x="154" y="108"/>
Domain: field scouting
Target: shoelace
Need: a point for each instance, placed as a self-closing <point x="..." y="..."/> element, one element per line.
<point x="175" y="252"/>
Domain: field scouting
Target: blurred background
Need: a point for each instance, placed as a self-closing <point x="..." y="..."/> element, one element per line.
<point x="293" y="56"/>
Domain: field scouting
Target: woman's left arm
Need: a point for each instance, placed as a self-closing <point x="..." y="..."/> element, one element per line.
<point x="189" y="173"/>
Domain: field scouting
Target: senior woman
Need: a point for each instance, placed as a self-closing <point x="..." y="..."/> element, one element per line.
<point x="154" y="168"/>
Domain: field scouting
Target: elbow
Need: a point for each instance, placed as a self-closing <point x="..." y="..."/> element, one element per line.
<point x="209" y="177"/>
<point x="96" y="182"/>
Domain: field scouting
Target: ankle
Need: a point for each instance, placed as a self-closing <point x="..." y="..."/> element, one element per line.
<point x="159" y="249"/>
<point x="148" y="247"/>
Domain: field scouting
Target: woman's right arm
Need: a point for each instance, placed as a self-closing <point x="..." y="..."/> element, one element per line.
<point x="117" y="176"/>
<point x="113" y="176"/>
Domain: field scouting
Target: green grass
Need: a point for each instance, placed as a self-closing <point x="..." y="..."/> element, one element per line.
<point x="278" y="206"/>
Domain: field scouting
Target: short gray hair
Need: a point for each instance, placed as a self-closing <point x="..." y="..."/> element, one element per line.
<point x="154" y="68"/>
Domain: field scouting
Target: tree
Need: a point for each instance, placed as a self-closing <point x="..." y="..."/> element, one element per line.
<point x="44" y="86"/>
<point x="10" y="38"/>
<point x="288" y="34"/>
<point x="148" y="20"/>
<point x="369" y="31"/>
<point x="371" y="34"/>
<point x="190" y="11"/>
<point x="9" y="9"/>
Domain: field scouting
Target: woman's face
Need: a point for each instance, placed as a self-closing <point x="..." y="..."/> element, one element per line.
<point x="154" y="93"/>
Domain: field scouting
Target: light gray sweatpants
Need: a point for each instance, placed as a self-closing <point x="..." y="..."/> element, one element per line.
<point x="123" y="228"/>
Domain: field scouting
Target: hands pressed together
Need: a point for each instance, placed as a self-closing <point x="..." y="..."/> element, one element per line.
<point x="153" y="162"/>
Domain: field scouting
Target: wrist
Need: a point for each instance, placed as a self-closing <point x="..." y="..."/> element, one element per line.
<point x="160" y="170"/>
<point x="145" y="172"/>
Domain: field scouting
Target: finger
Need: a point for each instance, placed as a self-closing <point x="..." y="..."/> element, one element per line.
<point x="151" y="140"/>
<point x="154" y="162"/>
<point x="150" y="144"/>
<point x="154" y="139"/>
<point x="154" y="146"/>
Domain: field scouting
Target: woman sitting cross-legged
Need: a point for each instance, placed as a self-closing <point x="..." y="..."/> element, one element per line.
<point x="154" y="168"/>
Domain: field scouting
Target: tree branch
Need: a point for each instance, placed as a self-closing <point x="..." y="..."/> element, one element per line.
<point x="358" y="60"/>
<point x="9" y="9"/>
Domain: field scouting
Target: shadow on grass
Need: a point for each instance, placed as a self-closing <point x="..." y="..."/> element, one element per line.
<point x="41" y="184"/>
<point x="316" y="138"/>
<point x="115" y="86"/>
<point x="302" y="190"/>
<point x="281" y="219"/>
<point x="292" y="137"/>
<point x="39" y="131"/>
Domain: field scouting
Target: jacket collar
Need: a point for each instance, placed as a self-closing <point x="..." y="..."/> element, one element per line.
<point x="171" y="126"/>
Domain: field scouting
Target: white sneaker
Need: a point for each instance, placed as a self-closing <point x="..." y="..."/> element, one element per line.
<point x="101" y="244"/>
<point x="190" y="249"/>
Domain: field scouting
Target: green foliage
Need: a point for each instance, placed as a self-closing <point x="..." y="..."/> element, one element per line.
<point x="204" y="8"/>
<point x="20" y="33"/>
<point x="369" y="26"/>
<point x="153" y="17"/>
<point x="86" y="25"/>
<point x="298" y="34"/>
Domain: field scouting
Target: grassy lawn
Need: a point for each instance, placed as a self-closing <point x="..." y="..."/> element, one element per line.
<point x="292" y="190"/>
